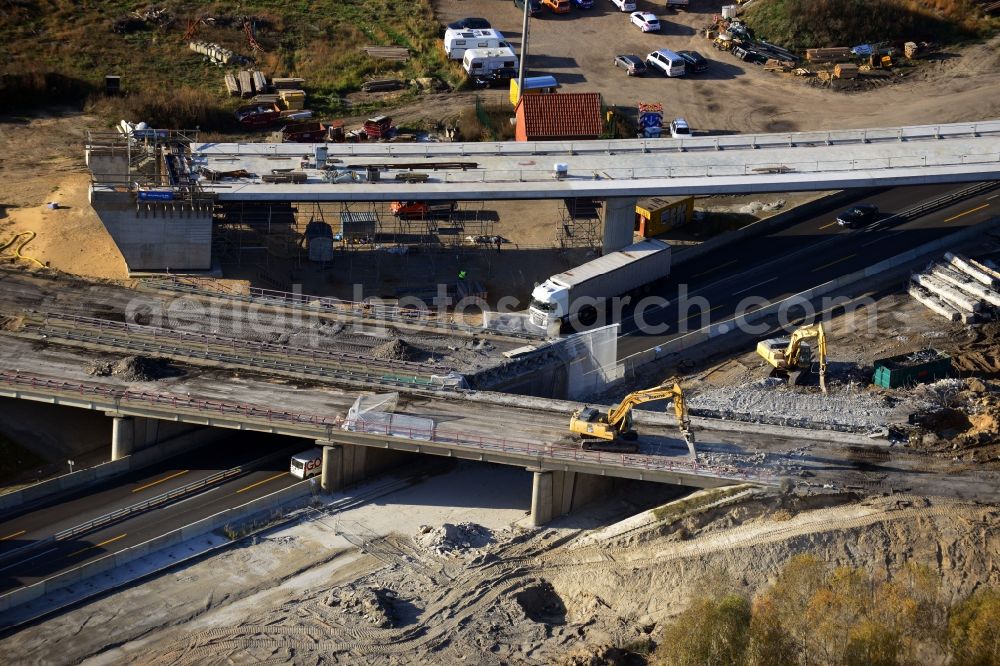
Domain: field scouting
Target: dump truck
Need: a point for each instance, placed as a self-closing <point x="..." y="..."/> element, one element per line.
<point x="577" y="296"/>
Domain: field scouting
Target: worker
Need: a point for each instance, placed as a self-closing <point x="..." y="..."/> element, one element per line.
<point x="498" y="241"/>
<point x="461" y="274"/>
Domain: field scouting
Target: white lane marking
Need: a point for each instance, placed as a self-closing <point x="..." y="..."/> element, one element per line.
<point x="759" y="284"/>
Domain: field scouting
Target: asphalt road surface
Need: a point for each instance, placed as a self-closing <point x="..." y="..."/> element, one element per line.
<point x="21" y="530"/>
<point x="798" y="257"/>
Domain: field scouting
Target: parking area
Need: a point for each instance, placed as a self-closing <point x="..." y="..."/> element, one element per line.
<point x="579" y="49"/>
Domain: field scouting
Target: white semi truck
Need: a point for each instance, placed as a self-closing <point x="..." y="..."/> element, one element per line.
<point x="578" y="295"/>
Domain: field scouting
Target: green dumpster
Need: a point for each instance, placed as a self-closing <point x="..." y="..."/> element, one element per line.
<point x="926" y="365"/>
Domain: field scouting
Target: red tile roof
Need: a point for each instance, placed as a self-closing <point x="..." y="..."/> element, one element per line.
<point x="562" y="114"/>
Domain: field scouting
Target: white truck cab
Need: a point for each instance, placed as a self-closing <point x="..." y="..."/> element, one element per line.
<point x="549" y="304"/>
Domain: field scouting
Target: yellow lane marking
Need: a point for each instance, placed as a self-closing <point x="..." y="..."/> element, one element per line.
<point x="712" y="270"/>
<point x="827" y="226"/>
<point x="971" y="210"/>
<point x="11" y="536"/>
<point x="166" y="478"/>
<point x="254" y="485"/>
<point x="702" y="312"/>
<point x="832" y="263"/>
<point x="103" y="543"/>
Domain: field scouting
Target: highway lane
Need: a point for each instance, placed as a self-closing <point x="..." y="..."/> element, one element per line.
<point x="796" y="258"/>
<point x="45" y="519"/>
<point x="66" y="555"/>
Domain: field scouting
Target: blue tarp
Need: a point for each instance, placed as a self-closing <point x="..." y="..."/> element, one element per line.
<point x="862" y="50"/>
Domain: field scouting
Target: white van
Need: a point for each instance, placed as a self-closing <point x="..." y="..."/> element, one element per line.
<point x="457" y="42"/>
<point x="478" y="62"/>
<point x="666" y="62"/>
<point x="306" y="464"/>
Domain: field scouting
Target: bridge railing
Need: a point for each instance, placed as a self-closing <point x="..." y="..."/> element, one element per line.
<point x="553" y="148"/>
<point x="325" y="426"/>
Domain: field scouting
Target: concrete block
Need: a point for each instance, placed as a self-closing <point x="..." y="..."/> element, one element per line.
<point x="966" y="284"/>
<point x="962" y="264"/>
<point x="934" y="304"/>
<point x="955" y="297"/>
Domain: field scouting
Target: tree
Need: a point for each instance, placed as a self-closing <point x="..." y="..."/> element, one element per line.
<point x="974" y="630"/>
<point x="710" y="631"/>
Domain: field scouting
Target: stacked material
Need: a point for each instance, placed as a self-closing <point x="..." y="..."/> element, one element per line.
<point x="395" y="53"/>
<point x="958" y="289"/>
<point x="231" y="84"/>
<point x="845" y="71"/>
<point x="259" y="81"/>
<point x="246" y="84"/>
<point x="287" y="83"/>
<point x="292" y="99"/>
<point x="834" y="54"/>
<point x="216" y="53"/>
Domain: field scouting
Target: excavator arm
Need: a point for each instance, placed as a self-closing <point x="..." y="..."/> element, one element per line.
<point x="795" y="347"/>
<point x="619" y="416"/>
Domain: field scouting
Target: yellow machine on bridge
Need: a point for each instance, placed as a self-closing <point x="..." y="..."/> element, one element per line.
<point x="596" y="428"/>
<point x="790" y="357"/>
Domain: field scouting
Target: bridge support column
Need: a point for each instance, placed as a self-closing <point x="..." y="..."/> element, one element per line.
<point x="619" y="223"/>
<point x="332" y="477"/>
<point x="556" y="493"/>
<point x="122" y="437"/>
<point x="347" y="464"/>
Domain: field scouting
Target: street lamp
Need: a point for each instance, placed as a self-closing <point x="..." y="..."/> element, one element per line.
<point x="70" y="463"/>
<point x="524" y="51"/>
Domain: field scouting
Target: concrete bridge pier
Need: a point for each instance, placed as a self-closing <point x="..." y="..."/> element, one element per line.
<point x="122" y="436"/>
<point x="619" y="223"/>
<point x="555" y="493"/>
<point x="346" y="464"/>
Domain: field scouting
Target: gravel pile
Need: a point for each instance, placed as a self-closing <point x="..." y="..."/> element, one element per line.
<point x="449" y="538"/>
<point x="133" y="369"/>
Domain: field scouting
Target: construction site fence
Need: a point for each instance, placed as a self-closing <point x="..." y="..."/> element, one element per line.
<point x="326" y="427"/>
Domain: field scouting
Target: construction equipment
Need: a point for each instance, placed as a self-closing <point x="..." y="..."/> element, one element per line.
<point x="605" y="432"/>
<point x="792" y="358"/>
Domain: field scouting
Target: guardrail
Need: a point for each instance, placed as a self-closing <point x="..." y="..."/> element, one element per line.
<point x="216" y="340"/>
<point x="616" y="146"/>
<point x="356" y="377"/>
<point x="134" y="509"/>
<point x="322" y="427"/>
<point x="330" y="306"/>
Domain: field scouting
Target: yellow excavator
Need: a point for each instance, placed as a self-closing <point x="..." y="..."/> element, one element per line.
<point x="606" y="432"/>
<point x="791" y="358"/>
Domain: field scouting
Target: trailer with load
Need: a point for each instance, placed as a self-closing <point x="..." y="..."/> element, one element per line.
<point x="578" y="296"/>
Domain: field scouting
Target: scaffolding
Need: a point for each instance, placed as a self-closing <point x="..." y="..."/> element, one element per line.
<point x="264" y="236"/>
<point x="581" y="224"/>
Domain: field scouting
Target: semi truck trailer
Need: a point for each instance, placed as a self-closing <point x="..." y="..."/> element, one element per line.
<point x="578" y="295"/>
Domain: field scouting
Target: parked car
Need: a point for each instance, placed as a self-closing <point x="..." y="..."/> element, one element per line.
<point x="470" y="23"/>
<point x="858" y="216"/>
<point x="679" y="129"/>
<point x="695" y="61"/>
<point x="624" y="5"/>
<point x="666" y="62"/>
<point x="632" y="64"/>
<point x="557" y="6"/>
<point x="645" y="21"/>
<point x="500" y="77"/>
<point x="583" y="4"/>
<point x="534" y="8"/>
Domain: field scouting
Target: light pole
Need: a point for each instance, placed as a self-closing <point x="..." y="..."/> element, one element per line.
<point x="71" y="463"/>
<point x="524" y="51"/>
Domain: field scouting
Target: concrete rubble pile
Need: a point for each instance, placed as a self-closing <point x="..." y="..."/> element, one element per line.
<point x="452" y="539"/>
<point x="959" y="289"/>
<point x="374" y="604"/>
<point x="847" y="410"/>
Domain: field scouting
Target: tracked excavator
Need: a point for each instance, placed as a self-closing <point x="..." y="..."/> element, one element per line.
<point x="792" y="358"/>
<point x="613" y="431"/>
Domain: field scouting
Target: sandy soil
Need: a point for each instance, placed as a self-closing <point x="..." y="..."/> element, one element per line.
<point x="364" y="586"/>
<point x="43" y="162"/>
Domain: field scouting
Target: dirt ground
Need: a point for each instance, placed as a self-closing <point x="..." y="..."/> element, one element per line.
<point x="579" y="49"/>
<point x="372" y="585"/>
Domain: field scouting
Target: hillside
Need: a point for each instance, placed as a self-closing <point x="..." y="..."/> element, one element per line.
<point x="801" y="24"/>
<point x="58" y="52"/>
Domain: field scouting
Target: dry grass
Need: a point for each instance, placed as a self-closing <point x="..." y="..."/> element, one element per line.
<point x="801" y="24"/>
<point x="60" y="50"/>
